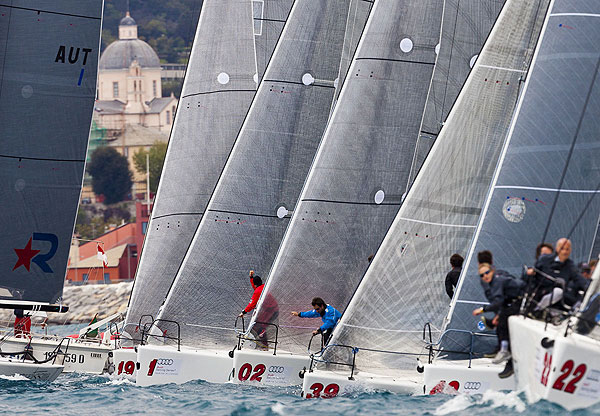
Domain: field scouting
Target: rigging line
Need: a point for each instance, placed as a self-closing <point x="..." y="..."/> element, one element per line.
<point x="503" y="69"/>
<point x="535" y="188"/>
<point x="575" y="14"/>
<point x="50" y="12"/>
<point x="419" y="331"/>
<point x="210" y="327"/>
<point x="564" y="173"/>
<point x="42" y="159"/>
<point x="587" y="205"/>
<point x="350" y="202"/>
<point x="215" y="92"/>
<point x="472" y="302"/>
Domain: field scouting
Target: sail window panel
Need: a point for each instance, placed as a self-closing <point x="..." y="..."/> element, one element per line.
<point x="205" y="127"/>
<point x="576" y="6"/>
<point x="416" y="25"/>
<point x="438" y="216"/>
<point x="91" y="9"/>
<point x="557" y="113"/>
<point x="266" y="170"/>
<point x="257" y="15"/>
<point x="274" y="15"/>
<point x="37" y="74"/>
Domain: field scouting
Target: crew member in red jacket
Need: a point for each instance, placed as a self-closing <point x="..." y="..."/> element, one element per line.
<point x="268" y="314"/>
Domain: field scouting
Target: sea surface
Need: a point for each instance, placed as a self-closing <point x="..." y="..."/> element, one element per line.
<point x="80" y="394"/>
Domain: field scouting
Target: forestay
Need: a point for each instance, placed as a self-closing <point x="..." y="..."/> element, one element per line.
<point x="249" y="210"/>
<point x="356" y="183"/>
<point x="49" y="56"/>
<point x="403" y="288"/>
<point x="217" y="92"/>
<point x="548" y="177"/>
<point x="466" y="25"/>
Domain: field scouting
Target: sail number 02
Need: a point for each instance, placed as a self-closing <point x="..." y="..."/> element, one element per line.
<point x="245" y="372"/>
<point x="331" y="390"/>
<point x="566" y="370"/>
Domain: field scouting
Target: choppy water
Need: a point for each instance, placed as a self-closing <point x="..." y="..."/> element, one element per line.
<point x="100" y="395"/>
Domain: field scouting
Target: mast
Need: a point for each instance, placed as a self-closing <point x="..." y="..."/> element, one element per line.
<point x="250" y="207"/>
<point x="49" y="61"/>
<point x="403" y="288"/>
<point x="528" y="204"/>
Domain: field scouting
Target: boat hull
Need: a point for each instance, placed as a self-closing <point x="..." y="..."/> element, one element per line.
<point x="82" y="356"/>
<point x="39" y="372"/>
<point x="262" y="368"/>
<point x="562" y="369"/>
<point x="457" y="377"/>
<point x="125" y="360"/>
<point x="163" y="365"/>
<point x="328" y="384"/>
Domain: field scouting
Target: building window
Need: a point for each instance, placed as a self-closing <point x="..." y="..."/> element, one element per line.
<point x="154" y="88"/>
<point x="144" y="227"/>
<point x="85" y="277"/>
<point x="126" y="151"/>
<point x="106" y="277"/>
<point x="115" y="89"/>
<point x="173" y="110"/>
<point x="168" y="117"/>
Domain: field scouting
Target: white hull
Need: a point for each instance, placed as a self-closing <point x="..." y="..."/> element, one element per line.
<point x="82" y="356"/>
<point x="41" y="372"/>
<point x="327" y="384"/>
<point x="125" y="360"/>
<point x="456" y="377"/>
<point x="565" y="372"/>
<point x="163" y="365"/>
<point x="262" y="368"/>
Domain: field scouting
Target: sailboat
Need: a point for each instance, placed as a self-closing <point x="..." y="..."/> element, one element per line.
<point x="379" y="338"/>
<point x="555" y="362"/>
<point x="361" y="172"/>
<point x="250" y="207"/>
<point x="47" y="91"/>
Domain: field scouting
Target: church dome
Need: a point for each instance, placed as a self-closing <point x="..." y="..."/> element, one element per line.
<point x="127" y="21"/>
<point x="121" y="53"/>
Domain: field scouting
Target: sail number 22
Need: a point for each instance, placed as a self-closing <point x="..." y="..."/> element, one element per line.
<point x="566" y="370"/>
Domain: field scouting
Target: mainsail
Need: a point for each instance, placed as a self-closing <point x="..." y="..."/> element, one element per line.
<point x="403" y="288"/>
<point x="249" y="210"/>
<point x="357" y="180"/>
<point x="217" y="92"/>
<point x="548" y="177"/>
<point x="466" y="25"/>
<point x="49" y="56"/>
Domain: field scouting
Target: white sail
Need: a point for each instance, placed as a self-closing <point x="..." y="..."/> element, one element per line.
<point x="403" y="288"/>
<point x="249" y="209"/>
<point x="49" y="54"/>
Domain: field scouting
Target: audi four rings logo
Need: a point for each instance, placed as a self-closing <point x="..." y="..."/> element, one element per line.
<point x="165" y="361"/>
<point x="472" y="385"/>
<point x="276" y="369"/>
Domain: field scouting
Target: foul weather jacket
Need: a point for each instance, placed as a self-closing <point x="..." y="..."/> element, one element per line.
<point x="330" y="317"/>
<point x="503" y="289"/>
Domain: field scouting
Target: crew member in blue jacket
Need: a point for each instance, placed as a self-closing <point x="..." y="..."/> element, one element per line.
<point x="328" y="314"/>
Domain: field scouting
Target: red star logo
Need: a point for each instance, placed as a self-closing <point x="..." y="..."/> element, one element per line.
<point x="25" y="255"/>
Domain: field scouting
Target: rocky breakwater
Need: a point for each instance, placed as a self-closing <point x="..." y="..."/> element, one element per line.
<point x="85" y="301"/>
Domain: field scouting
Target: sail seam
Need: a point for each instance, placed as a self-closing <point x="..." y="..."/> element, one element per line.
<point x="269" y="20"/>
<point x="388" y="330"/>
<point x="299" y="83"/>
<point x="243" y="213"/>
<point x="177" y="213"/>
<point x="215" y="92"/>
<point x="396" y="60"/>
<point x="535" y="188"/>
<point x="576" y="14"/>
<point x="503" y="69"/>
<point x="50" y="12"/>
<point x="437" y="223"/>
<point x="349" y="202"/>
<point x="41" y="158"/>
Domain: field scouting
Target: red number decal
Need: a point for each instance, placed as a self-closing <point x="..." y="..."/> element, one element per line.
<point x="566" y="372"/>
<point x="258" y="372"/>
<point x="316" y="388"/>
<point x="151" y="367"/>
<point x="130" y="367"/>
<point x="578" y="373"/>
<point x="546" y="370"/>
<point x="244" y="372"/>
<point x="120" y="369"/>
<point x="331" y="390"/>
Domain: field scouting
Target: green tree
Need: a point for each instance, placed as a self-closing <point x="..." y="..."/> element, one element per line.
<point x="157" y="157"/>
<point x="110" y="173"/>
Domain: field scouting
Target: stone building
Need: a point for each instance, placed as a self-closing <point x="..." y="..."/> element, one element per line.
<point x="129" y="85"/>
